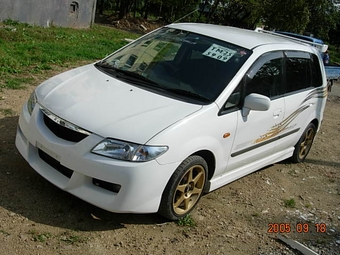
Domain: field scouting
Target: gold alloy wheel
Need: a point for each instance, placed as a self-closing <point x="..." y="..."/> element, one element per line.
<point x="307" y="142"/>
<point x="189" y="189"/>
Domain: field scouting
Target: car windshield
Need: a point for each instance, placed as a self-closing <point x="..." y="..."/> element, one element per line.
<point x="178" y="63"/>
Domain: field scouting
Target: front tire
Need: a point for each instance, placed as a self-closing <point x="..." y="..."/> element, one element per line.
<point x="303" y="146"/>
<point x="184" y="189"/>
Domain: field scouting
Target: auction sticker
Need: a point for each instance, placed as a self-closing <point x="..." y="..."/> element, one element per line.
<point x="219" y="52"/>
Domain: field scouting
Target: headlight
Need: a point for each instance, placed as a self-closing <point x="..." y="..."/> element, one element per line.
<point x="128" y="151"/>
<point x="31" y="102"/>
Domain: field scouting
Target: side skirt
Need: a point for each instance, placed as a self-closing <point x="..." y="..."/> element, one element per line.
<point x="240" y="172"/>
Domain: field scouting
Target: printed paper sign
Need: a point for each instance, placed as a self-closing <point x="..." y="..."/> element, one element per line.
<point x="219" y="52"/>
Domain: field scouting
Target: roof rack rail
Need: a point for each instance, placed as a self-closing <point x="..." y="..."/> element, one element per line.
<point x="295" y="37"/>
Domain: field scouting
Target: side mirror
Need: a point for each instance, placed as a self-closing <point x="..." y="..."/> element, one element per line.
<point x="255" y="102"/>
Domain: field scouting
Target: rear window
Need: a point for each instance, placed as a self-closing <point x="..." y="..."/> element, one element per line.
<point x="316" y="72"/>
<point x="302" y="71"/>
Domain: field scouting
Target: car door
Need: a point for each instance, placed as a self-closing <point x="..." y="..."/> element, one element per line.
<point x="303" y="92"/>
<point x="257" y="131"/>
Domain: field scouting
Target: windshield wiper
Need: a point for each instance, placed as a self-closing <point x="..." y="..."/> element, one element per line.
<point x="106" y="66"/>
<point x="135" y="77"/>
<point x="128" y="75"/>
<point x="188" y="94"/>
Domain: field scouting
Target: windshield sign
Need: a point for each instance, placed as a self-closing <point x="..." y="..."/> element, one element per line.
<point x="219" y="52"/>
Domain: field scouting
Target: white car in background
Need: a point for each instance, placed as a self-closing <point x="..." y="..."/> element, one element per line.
<point x="177" y="113"/>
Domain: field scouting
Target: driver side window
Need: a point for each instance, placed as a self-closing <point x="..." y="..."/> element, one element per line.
<point x="265" y="77"/>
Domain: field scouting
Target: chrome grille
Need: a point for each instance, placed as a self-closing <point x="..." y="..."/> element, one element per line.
<point x="63" y="129"/>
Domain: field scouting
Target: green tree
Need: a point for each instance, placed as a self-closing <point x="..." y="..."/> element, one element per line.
<point x="238" y="13"/>
<point x="104" y="5"/>
<point x="315" y="17"/>
<point x="289" y="15"/>
<point x="244" y="13"/>
<point x="334" y="33"/>
<point x="318" y="17"/>
<point x="323" y="15"/>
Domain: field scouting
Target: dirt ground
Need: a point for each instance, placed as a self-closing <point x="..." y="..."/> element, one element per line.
<point x="38" y="218"/>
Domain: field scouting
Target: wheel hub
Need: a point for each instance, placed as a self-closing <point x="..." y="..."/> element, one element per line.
<point x="188" y="189"/>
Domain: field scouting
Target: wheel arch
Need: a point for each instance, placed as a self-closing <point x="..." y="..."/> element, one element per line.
<point x="209" y="157"/>
<point x="316" y="123"/>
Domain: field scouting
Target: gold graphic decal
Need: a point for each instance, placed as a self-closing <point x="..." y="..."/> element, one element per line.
<point x="280" y="127"/>
<point x="285" y="124"/>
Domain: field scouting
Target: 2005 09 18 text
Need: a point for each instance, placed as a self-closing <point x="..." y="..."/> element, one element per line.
<point x="298" y="228"/>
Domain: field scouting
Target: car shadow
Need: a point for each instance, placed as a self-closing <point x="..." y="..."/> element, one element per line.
<point x="25" y="193"/>
<point x="311" y="161"/>
<point x="322" y="162"/>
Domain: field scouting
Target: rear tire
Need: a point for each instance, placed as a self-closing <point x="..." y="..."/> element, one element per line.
<point x="184" y="189"/>
<point x="303" y="146"/>
<point x="329" y="85"/>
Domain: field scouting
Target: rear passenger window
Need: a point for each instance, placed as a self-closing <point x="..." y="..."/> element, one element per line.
<point x="298" y="71"/>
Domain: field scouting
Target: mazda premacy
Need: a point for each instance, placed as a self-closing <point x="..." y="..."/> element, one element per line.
<point x="175" y="114"/>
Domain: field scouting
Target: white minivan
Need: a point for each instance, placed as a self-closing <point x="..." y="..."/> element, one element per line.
<point x="175" y="114"/>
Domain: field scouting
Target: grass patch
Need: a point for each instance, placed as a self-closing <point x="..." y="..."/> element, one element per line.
<point x="186" y="221"/>
<point x="4" y="232"/>
<point x="26" y="50"/>
<point x="15" y="82"/>
<point x="38" y="237"/>
<point x="66" y="237"/>
<point x="290" y="203"/>
<point x="72" y="239"/>
<point x="321" y="242"/>
<point x="7" y="112"/>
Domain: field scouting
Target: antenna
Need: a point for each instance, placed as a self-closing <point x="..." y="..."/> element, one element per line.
<point x="186" y="15"/>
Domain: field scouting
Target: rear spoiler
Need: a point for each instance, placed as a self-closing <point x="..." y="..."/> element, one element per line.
<point x="295" y="37"/>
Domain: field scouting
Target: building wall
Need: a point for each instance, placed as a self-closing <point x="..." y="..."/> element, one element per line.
<point x="64" y="13"/>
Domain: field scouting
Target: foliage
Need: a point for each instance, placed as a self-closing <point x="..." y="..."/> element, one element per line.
<point x="66" y="237"/>
<point x="4" y="232"/>
<point x="289" y="15"/>
<point x="169" y="10"/>
<point x="238" y="13"/>
<point x="7" y="112"/>
<point x="317" y="17"/>
<point x="334" y="33"/>
<point x="324" y="15"/>
<point x="186" y="221"/>
<point x="289" y="203"/>
<point x="38" y="237"/>
<point x="334" y="54"/>
<point x="72" y="238"/>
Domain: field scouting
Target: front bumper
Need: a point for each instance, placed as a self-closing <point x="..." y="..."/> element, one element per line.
<point x="113" y="185"/>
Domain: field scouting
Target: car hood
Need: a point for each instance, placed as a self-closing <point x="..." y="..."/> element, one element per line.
<point x="109" y="107"/>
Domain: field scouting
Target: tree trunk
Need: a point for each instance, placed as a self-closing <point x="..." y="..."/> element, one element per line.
<point x="146" y="9"/>
<point x="124" y="8"/>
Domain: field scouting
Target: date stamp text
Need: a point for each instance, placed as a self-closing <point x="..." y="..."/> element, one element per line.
<point x="297" y="228"/>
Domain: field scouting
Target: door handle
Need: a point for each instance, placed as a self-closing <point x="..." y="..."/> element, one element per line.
<point x="277" y="113"/>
